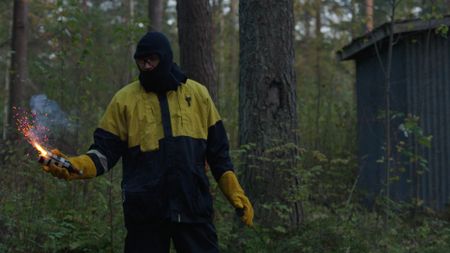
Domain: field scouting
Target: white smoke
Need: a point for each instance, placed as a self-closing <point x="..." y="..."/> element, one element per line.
<point x="49" y="117"/>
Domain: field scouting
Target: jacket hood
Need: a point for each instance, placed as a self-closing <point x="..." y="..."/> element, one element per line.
<point x="154" y="43"/>
<point x="166" y="76"/>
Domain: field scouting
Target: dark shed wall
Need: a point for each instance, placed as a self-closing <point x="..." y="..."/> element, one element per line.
<point x="428" y="96"/>
<point x="420" y="86"/>
<point x="369" y="93"/>
<point x="370" y="88"/>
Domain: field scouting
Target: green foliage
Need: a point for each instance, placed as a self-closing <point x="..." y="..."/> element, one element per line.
<point x="407" y="156"/>
<point x="442" y="30"/>
<point x="43" y="214"/>
<point x="334" y="221"/>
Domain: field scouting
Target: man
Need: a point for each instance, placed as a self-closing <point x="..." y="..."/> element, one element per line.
<point x="165" y="127"/>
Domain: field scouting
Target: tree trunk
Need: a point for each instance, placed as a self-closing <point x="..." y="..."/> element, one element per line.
<point x="131" y="43"/>
<point x="369" y="15"/>
<point x="354" y="18"/>
<point x="219" y="26"/>
<point x="234" y="5"/>
<point x="155" y="14"/>
<point x="267" y="110"/>
<point x="6" y="105"/>
<point x="196" y="45"/>
<point x="19" y="70"/>
<point x="318" y="69"/>
<point x="306" y="20"/>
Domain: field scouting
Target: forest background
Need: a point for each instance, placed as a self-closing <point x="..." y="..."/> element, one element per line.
<point x="79" y="55"/>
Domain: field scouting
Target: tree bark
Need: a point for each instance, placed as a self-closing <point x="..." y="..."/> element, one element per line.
<point x="219" y="26"/>
<point x="318" y="68"/>
<point x="267" y="110"/>
<point x="369" y="15"/>
<point x="234" y="8"/>
<point x="6" y="105"/>
<point x="306" y="20"/>
<point x="354" y="18"/>
<point x="131" y="43"/>
<point x="19" y="69"/>
<point x="196" y="44"/>
<point x="155" y="14"/>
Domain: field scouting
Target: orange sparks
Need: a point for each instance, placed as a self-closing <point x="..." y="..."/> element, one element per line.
<point x="32" y="131"/>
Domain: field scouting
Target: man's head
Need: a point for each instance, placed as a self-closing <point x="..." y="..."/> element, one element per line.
<point x="154" y="59"/>
<point x="154" y="44"/>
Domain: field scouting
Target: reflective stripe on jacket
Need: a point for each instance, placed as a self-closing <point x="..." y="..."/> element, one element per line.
<point x="164" y="142"/>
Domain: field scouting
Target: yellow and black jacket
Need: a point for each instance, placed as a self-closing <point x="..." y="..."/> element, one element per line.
<point x="164" y="142"/>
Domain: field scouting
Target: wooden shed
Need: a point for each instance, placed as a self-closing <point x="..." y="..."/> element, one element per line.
<point x="419" y="86"/>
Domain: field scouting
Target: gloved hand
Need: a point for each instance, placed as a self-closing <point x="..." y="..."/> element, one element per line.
<point x="230" y="186"/>
<point x="82" y="163"/>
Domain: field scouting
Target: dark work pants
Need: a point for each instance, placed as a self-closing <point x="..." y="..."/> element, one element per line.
<point x="186" y="237"/>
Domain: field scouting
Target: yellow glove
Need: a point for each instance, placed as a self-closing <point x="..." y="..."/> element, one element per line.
<point x="230" y="186"/>
<point x="82" y="163"/>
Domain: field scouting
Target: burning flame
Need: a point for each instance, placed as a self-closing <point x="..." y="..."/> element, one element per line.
<point x="41" y="150"/>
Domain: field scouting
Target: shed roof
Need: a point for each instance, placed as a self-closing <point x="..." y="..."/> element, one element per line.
<point x="381" y="32"/>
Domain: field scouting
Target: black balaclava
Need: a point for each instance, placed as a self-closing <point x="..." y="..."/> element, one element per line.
<point x="167" y="75"/>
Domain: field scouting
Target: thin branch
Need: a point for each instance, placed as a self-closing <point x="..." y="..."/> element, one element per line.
<point x="388" y="108"/>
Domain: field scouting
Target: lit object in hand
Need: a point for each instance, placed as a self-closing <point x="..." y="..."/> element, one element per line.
<point x="47" y="158"/>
